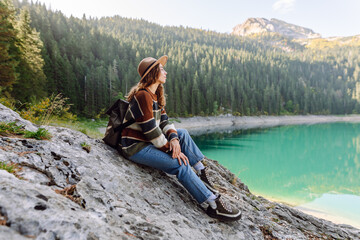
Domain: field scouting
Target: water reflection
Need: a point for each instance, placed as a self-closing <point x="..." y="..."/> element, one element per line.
<point x="293" y="164"/>
<point x="338" y="208"/>
<point x="356" y="143"/>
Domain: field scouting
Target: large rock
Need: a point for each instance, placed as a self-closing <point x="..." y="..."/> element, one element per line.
<point x="105" y="196"/>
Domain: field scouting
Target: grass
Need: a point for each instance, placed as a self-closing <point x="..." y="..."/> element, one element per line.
<point x="11" y="129"/>
<point x="8" y="129"/>
<point x="12" y="168"/>
<point x="53" y="111"/>
<point x="86" y="146"/>
<point x="47" y="109"/>
<point x="87" y="126"/>
<point x="9" y="167"/>
<point x="40" y="134"/>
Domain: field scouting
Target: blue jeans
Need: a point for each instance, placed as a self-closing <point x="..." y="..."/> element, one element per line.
<point x="153" y="157"/>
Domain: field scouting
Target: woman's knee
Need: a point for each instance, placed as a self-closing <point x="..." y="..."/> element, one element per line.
<point x="182" y="132"/>
<point x="183" y="170"/>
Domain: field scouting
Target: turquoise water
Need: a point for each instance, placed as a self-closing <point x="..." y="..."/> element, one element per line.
<point x="312" y="166"/>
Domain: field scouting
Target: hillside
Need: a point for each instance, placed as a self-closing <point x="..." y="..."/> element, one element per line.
<point x="331" y="42"/>
<point x="93" y="62"/>
<point x="65" y="192"/>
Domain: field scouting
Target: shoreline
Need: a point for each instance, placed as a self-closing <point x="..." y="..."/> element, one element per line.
<point x="313" y="211"/>
<point x="202" y="125"/>
<point x="328" y="216"/>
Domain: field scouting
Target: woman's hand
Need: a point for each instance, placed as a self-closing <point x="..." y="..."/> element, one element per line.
<point x="182" y="157"/>
<point x="175" y="148"/>
<point x="176" y="152"/>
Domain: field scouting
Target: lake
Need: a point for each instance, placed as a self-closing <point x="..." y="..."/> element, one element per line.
<point x="313" y="167"/>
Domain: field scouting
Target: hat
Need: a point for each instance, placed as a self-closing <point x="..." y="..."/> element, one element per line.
<point x="149" y="63"/>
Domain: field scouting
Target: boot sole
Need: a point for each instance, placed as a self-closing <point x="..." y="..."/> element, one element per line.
<point x="214" y="214"/>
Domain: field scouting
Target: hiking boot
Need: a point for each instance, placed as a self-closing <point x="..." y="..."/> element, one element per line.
<point x="203" y="175"/>
<point x="223" y="211"/>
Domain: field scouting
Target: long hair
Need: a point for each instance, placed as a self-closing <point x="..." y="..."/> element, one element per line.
<point x="149" y="79"/>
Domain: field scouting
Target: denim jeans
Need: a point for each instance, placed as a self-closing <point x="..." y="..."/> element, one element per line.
<point x="153" y="157"/>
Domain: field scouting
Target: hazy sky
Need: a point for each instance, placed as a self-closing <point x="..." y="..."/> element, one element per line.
<point x="327" y="17"/>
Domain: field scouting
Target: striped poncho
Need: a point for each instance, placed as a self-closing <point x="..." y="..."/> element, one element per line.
<point x="151" y="125"/>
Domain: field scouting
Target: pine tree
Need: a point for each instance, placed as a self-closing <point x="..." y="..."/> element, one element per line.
<point x="32" y="79"/>
<point x="8" y="50"/>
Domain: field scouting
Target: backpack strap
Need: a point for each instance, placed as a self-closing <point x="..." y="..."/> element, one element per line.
<point x="124" y="125"/>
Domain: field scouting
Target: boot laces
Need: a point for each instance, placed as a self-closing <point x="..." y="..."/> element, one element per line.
<point x="209" y="179"/>
<point x="226" y="205"/>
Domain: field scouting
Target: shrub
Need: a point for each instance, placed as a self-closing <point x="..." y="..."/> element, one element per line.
<point x="48" y="109"/>
<point x="6" y="99"/>
<point x="8" y="102"/>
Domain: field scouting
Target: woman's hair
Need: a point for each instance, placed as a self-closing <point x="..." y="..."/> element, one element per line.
<point x="149" y="79"/>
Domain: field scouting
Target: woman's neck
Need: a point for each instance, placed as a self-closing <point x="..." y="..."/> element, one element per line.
<point x="153" y="87"/>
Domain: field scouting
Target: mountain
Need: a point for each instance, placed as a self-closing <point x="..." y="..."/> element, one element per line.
<point x="61" y="191"/>
<point x="263" y="25"/>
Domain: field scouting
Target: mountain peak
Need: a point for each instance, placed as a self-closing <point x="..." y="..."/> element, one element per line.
<point x="263" y="25"/>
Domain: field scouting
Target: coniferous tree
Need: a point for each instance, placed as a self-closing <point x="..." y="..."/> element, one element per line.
<point x="8" y="49"/>
<point x="31" y="82"/>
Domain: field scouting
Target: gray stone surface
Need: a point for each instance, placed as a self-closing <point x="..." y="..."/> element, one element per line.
<point x="117" y="199"/>
<point x="8" y="115"/>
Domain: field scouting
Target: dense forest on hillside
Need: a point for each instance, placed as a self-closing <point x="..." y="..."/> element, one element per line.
<point x="94" y="61"/>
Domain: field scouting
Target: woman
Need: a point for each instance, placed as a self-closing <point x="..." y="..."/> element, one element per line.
<point x="153" y="141"/>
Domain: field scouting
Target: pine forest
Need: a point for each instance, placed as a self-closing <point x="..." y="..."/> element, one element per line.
<point x="94" y="61"/>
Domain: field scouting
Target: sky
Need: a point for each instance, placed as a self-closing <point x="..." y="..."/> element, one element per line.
<point x="327" y="17"/>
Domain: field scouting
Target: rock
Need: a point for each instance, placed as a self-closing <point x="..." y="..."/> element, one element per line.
<point x="10" y="234"/>
<point x="8" y="115"/>
<point x="64" y="192"/>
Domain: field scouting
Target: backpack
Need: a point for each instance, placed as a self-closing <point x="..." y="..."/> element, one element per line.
<point x="115" y="125"/>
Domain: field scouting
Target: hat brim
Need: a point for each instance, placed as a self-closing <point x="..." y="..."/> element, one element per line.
<point x="161" y="60"/>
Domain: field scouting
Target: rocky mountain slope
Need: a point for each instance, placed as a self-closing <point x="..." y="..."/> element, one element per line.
<point x="65" y="192"/>
<point x="263" y="25"/>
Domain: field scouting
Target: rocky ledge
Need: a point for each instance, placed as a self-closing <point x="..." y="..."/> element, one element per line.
<point x="63" y="191"/>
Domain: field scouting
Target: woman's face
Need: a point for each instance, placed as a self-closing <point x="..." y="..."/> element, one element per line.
<point x="162" y="75"/>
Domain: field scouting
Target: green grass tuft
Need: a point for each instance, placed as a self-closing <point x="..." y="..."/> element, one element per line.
<point x="11" y="129"/>
<point x="86" y="146"/>
<point x="12" y="168"/>
<point x="7" y="129"/>
<point x="9" y="167"/>
<point x="40" y="134"/>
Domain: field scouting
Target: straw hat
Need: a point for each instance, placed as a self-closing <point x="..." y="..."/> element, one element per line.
<point x="149" y="63"/>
